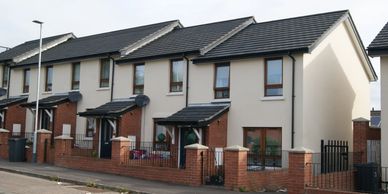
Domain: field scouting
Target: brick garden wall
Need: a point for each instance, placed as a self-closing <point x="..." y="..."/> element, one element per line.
<point x="327" y="191"/>
<point x="270" y="180"/>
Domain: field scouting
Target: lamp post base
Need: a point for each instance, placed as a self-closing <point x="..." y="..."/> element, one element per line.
<point x="34" y="159"/>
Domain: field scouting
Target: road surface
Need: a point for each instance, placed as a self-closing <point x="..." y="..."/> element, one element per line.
<point x="20" y="184"/>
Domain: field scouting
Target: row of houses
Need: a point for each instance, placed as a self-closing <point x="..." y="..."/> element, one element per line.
<point x="272" y="85"/>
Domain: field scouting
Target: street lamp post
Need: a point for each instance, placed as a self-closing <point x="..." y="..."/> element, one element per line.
<point x="37" y="93"/>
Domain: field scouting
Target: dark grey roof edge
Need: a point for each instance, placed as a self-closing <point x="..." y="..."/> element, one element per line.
<point x="18" y="100"/>
<point x="218" y="114"/>
<point x="377" y="52"/>
<point x="108" y="114"/>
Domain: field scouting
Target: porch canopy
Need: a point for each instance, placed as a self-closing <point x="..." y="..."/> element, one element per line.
<point x="56" y="99"/>
<point x="4" y="103"/>
<point x="112" y="109"/>
<point x="196" y="115"/>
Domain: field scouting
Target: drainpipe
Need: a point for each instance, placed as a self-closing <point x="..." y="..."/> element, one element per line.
<point x="9" y="80"/>
<point x="293" y="102"/>
<point x="187" y="80"/>
<point x="113" y="78"/>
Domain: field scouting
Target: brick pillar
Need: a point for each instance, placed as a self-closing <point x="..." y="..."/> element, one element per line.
<point x="236" y="167"/>
<point x="360" y="137"/>
<point x="298" y="170"/>
<point x="43" y="134"/>
<point x="119" y="148"/>
<point x="4" y="143"/>
<point x="194" y="154"/>
<point x="62" y="147"/>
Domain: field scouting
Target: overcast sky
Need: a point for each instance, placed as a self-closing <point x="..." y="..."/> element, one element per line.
<point x="86" y="17"/>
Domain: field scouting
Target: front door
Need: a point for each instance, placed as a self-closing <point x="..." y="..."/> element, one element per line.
<point x="106" y="136"/>
<point x="187" y="137"/>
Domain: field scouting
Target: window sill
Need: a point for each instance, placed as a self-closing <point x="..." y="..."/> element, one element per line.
<point x="102" y="89"/>
<point x="47" y="92"/>
<point x="25" y="94"/>
<point x="174" y="94"/>
<point x="74" y="90"/>
<point x="272" y="98"/>
<point x="223" y="100"/>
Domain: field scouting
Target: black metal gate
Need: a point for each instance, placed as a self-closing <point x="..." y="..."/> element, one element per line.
<point x="334" y="156"/>
<point x="213" y="167"/>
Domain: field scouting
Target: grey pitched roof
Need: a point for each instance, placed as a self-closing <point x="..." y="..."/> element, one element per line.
<point x="95" y="45"/>
<point x="11" y="101"/>
<point x="196" y="115"/>
<point x="55" y="99"/>
<point x="379" y="45"/>
<point x="280" y="36"/>
<point x="110" y="109"/>
<point x="187" y="40"/>
<point x="25" y="47"/>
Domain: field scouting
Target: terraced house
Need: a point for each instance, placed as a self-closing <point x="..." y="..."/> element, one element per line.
<point x="268" y="86"/>
<point x="379" y="48"/>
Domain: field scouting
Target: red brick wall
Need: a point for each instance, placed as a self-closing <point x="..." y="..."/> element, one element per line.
<point x="326" y="191"/>
<point x="65" y="113"/>
<point x="4" y="145"/>
<point x="216" y="133"/>
<point x="130" y="124"/>
<point x="15" y="114"/>
<point x="343" y="181"/>
<point x="270" y="180"/>
<point x="374" y="134"/>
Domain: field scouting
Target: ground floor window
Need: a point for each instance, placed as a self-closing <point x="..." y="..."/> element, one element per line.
<point x="265" y="145"/>
<point x="45" y="120"/>
<point x="89" y="127"/>
<point x="162" y="139"/>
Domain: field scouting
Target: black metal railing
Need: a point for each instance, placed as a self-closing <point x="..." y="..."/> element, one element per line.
<point x="267" y="160"/>
<point x="150" y="154"/>
<point x="84" y="146"/>
<point x="383" y="181"/>
<point x="214" y="167"/>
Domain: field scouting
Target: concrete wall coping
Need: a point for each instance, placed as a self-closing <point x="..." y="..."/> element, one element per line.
<point x="121" y="138"/>
<point x="236" y="148"/>
<point x="196" y="146"/>
<point x="64" y="137"/>
<point x="4" y="130"/>
<point x="360" y="119"/>
<point x="44" y="131"/>
<point x="301" y="150"/>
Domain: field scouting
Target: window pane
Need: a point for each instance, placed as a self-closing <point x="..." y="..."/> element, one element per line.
<point x="274" y="91"/>
<point x="160" y="134"/>
<point x="274" y="72"/>
<point x="27" y="77"/>
<point x="5" y="76"/>
<point x="273" y="142"/>
<point x="138" y="90"/>
<point x="253" y="140"/>
<point x="105" y="73"/>
<point x="177" y="71"/>
<point x="139" y="75"/>
<point x="222" y="93"/>
<point x="222" y="79"/>
<point x="49" y="78"/>
<point x="76" y="72"/>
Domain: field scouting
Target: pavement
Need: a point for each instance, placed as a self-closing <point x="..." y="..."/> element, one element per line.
<point x="105" y="181"/>
<point x="11" y="183"/>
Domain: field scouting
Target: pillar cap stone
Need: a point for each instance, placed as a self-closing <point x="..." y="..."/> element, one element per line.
<point x="120" y="138"/>
<point x="360" y="119"/>
<point x="44" y="131"/>
<point x="63" y="137"/>
<point x="236" y="148"/>
<point x="4" y="130"/>
<point x="196" y="146"/>
<point x="301" y="150"/>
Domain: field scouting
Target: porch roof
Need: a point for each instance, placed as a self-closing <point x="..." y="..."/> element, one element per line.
<point x="55" y="99"/>
<point x="198" y="115"/>
<point x="110" y="109"/>
<point x="379" y="45"/>
<point x="12" y="100"/>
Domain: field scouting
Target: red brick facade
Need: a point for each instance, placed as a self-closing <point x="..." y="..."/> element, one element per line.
<point x="216" y="133"/>
<point x="15" y="114"/>
<point x="362" y="132"/>
<point x="4" y="145"/>
<point x="65" y="113"/>
<point x="130" y="124"/>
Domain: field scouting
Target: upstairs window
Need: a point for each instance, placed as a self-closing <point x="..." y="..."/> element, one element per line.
<point x="75" y="76"/>
<point x="5" y="76"/>
<point x="138" y="86"/>
<point x="49" y="79"/>
<point x="221" y="85"/>
<point x="273" y="77"/>
<point x="26" y="80"/>
<point x="104" y="73"/>
<point x="176" y="75"/>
